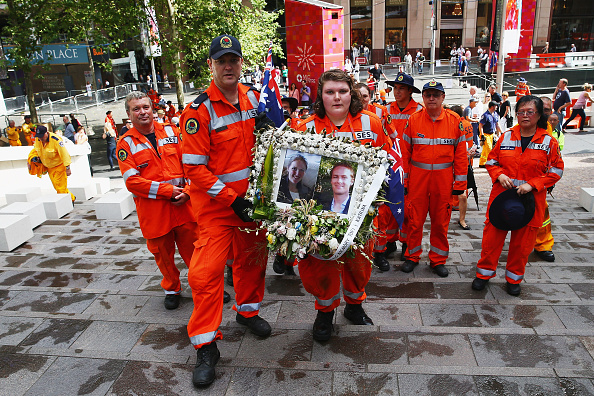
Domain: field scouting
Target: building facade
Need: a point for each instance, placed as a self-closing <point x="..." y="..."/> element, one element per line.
<point x="391" y="28"/>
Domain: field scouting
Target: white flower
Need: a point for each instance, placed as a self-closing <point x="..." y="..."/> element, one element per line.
<point x="281" y="230"/>
<point x="314" y="218"/>
<point x="291" y="233"/>
<point x="302" y="252"/>
<point x="295" y="246"/>
<point x="333" y="244"/>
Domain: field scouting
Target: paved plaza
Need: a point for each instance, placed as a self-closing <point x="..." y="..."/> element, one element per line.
<point x="81" y="313"/>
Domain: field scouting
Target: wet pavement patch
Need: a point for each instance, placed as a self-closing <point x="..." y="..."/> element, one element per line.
<point x="58" y="262"/>
<point x="54" y="333"/>
<point x="363" y="348"/>
<point x="283" y="286"/>
<point x="145" y="378"/>
<point x="13" y="363"/>
<point x="50" y="302"/>
<point x="403" y="290"/>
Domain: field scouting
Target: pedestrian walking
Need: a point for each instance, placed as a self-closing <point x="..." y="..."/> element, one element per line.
<point x="579" y="106"/>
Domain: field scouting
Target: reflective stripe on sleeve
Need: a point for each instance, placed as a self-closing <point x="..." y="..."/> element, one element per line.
<point x="194" y="159"/>
<point x="216" y="188"/>
<point x="251" y="307"/>
<point x="517" y="182"/>
<point x="169" y="130"/>
<point x="153" y="190"/>
<point x="136" y="148"/>
<point x="407" y="138"/>
<point x="178" y="181"/>
<point x="379" y="247"/>
<point x="492" y="162"/>
<point x="378" y="111"/>
<point x="253" y="100"/>
<point x="556" y="171"/>
<point x="439" y="251"/>
<point x="130" y="172"/>
<point x="425" y="166"/>
<point x="234" y="176"/>
<point x="460" y="177"/>
<point x="513" y="276"/>
<point x="485" y="272"/>
<point x="327" y="303"/>
<point x="203" y="338"/>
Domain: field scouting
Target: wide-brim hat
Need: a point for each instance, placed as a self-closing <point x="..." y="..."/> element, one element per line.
<point x="293" y="102"/>
<point x="510" y="211"/>
<point x="404" y="79"/>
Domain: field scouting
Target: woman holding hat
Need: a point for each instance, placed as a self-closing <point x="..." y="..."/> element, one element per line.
<point x="524" y="163"/>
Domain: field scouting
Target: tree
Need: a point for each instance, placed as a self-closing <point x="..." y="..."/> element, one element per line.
<point x="188" y="26"/>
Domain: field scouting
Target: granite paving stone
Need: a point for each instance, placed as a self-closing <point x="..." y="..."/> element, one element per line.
<point x="164" y="340"/>
<point x="571" y="273"/>
<point x="110" y="336"/>
<point x="116" y="305"/>
<point x="154" y="308"/>
<point x="56" y="333"/>
<point x="117" y="281"/>
<point x="584" y="291"/>
<point x="520" y="386"/>
<point x="365" y="384"/>
<point x="77" y="376"/>
<point x="433" y="385"/>
<point x="589" y="344"/>
<point x="386" y="314"/>
<point x="439" y="350"/>
<point x="576" y="317"/>
<point x="449" y="315"/>
<point x="18" y="372"/>
<point x="252" y="382"/>
<point x="536" y="291"/>
<point x="15" y="329"/>
<point x="518" y="350"/>
<point x="283" y="346"/>
<point x="513" y="316"/>
<point x="50" y="302"/>
<point x="6" y="296"/>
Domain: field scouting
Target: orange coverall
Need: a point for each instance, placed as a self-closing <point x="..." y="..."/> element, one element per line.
<point x="522" y="90"/>
<point x="321" y="278"/>
<point x="399" y="120"/>
<point x="434" y="162"/>
<point x="541" y="166"/>
<point x="217" y="154"/>
<point x="468" y="132"/>
<point x="150" y="176"/>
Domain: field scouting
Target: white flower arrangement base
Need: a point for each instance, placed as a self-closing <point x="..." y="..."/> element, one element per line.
<point x="300" y="226"/>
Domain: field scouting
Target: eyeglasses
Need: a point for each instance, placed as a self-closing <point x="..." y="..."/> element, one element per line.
<point x="232" y="61"/>
<point x="528" y="113"/>
<point x="436" y="95"/>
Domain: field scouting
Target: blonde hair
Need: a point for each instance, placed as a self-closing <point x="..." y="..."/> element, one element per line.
<point x="587" y="86"/>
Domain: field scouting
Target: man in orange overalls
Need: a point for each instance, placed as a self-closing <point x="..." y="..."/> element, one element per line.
<point x="400" y="111"/>
<point x="339" y="112"/>
<point x="149" y="156"/>
<point x="218" y="133"/>
<point x="435" y="168"/>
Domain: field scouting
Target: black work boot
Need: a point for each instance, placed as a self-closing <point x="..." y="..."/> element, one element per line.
<point x="289" y="270"/>
<point x="479" y="284"/>
<point x="230" y="275"/>
<point x="402" y="258"/>
<point x="513" y="289"/>
<point x="322" y="327"/>
<point x="408" y="266"/>
<point x="256" y="324"/>
<point x="226" y="297"/>
<point x="206" y="360"/>
<point x="172" y="301"/>
<point x="381" y="262"/>
<point x="356" y="314"/>
<point x="390" y="248"/>
<point x="279" y="264"/>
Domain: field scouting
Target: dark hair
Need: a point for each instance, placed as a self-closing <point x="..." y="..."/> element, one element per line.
<point x="291" y="86"/>
<point x="108" y="112"/>
<point x="458" y="110"/>
<point x="542" y="120"/>
<point x="358" y="87"/>
<point x="340" y="76"/>
<point x="493" y="104"/>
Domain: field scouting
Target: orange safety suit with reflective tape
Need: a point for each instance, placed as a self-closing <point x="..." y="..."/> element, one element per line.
<point x="56" y="158"/>
<point x="522" y="90"/>
<point x="434" y="163"/>
<point x="398" y="121"/>
<point x="469" y="133"/>
<point x="322" y="278"/>
<point x="217" y="154"/>
<point x="382" y="113"/>
<point x="170" y="112"/>
<point x="544" y="236"/>
<point x="541" y="166"/>
<point x="150" y="175"/>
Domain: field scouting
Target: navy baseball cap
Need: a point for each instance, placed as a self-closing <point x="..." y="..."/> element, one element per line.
<point x="510" y="211"/>
<point x="433" y="85"/>
<point x="404" y="79"/>
<point x="224" y="44"/>
<point x="40" y="131"/>
<point x="522" y="79"/>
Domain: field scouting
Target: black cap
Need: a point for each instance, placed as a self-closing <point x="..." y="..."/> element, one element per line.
<point x="433" y="85"/>
<point x="404" y="79"/>
<point x="293" y="102"/>
<point x="40" y="131"/>
<point x="510" y="211"/>
<point x="27" y="116"/>
<point x="224" y="44"/>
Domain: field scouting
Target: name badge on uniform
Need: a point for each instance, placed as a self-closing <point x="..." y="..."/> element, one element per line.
<point x="447" y="141"/>
<point x="540" y="146"/>
<point x="251" y="113"/>
<point x="360" y="135"/>
<point x="169" y="140"/>
<point x="502" y="147"/>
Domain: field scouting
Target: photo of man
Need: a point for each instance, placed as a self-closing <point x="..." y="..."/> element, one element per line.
<point x="340" y="179"/>
<point x="299" y="173"/>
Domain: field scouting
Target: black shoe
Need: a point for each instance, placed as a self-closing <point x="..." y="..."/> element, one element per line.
<point x="279" y="264"/>
<point x="441" y="270"/>
<point x="408" y="266"/>
<point x="464" y="227"/>
<point x="322" y="327"/>
<point x="229" y="275"/>
<point x="356" y="314"/>
<point x="402" y="258"/>
<point x="513" y="289"/>
<point x="483" y="166"/>
<point x="256" y="324"/>
<point x="390" y="248"/>
<point x="206" y="360"/>
<point x="226" y="297"/>
<point x="479" y="284"/>
<point x="381" y="262"/>
<point x="289" y="270"/>
<point x="172" y="301"/>
<point x="546" y="255"/>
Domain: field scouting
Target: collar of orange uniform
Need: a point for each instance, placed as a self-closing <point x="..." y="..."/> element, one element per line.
<point x="439" y="118"/>
<point x="410" y="105"/>
<point x="517" y="136"/>
<point x="215" y="94"/>
<point x="136" y="133"/>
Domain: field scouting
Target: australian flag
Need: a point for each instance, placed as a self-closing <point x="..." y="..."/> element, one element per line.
<point x="270" y="100"/>
<point x="395" y="190"/>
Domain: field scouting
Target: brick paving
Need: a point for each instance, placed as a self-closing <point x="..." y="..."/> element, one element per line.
<point x="81" y="312"/>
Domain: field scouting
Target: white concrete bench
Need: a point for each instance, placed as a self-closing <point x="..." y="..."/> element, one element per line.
<point x="23" y="194"/>
<point x="587" y="199"/>
<point x="34" y="210"/>
<point x="115" y="206"/>
<point x="83" y="191"/>
<point x="57" y="205"/>
<point x="14" y="231"/>
<point x="103" y="184"/>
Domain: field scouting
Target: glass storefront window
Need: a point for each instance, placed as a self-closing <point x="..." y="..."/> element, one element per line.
<point x="452" y="9"/>
<point x="361" y="23"/>
<point x="395" y="28"/>
<point x="484" y="17"/>
<point x="572" y="23"/>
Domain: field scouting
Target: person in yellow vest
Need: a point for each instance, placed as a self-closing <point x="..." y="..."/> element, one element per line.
<point x="49" y="149"/>
<point x="12" y="133"/>
<point x="29" y="130"/>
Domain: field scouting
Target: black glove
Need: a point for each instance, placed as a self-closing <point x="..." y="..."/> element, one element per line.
<point x="240" y="206"/>
<point x="405" y="191"/>
<point x="457" y="192"/>
<point x="262" y="121"/>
